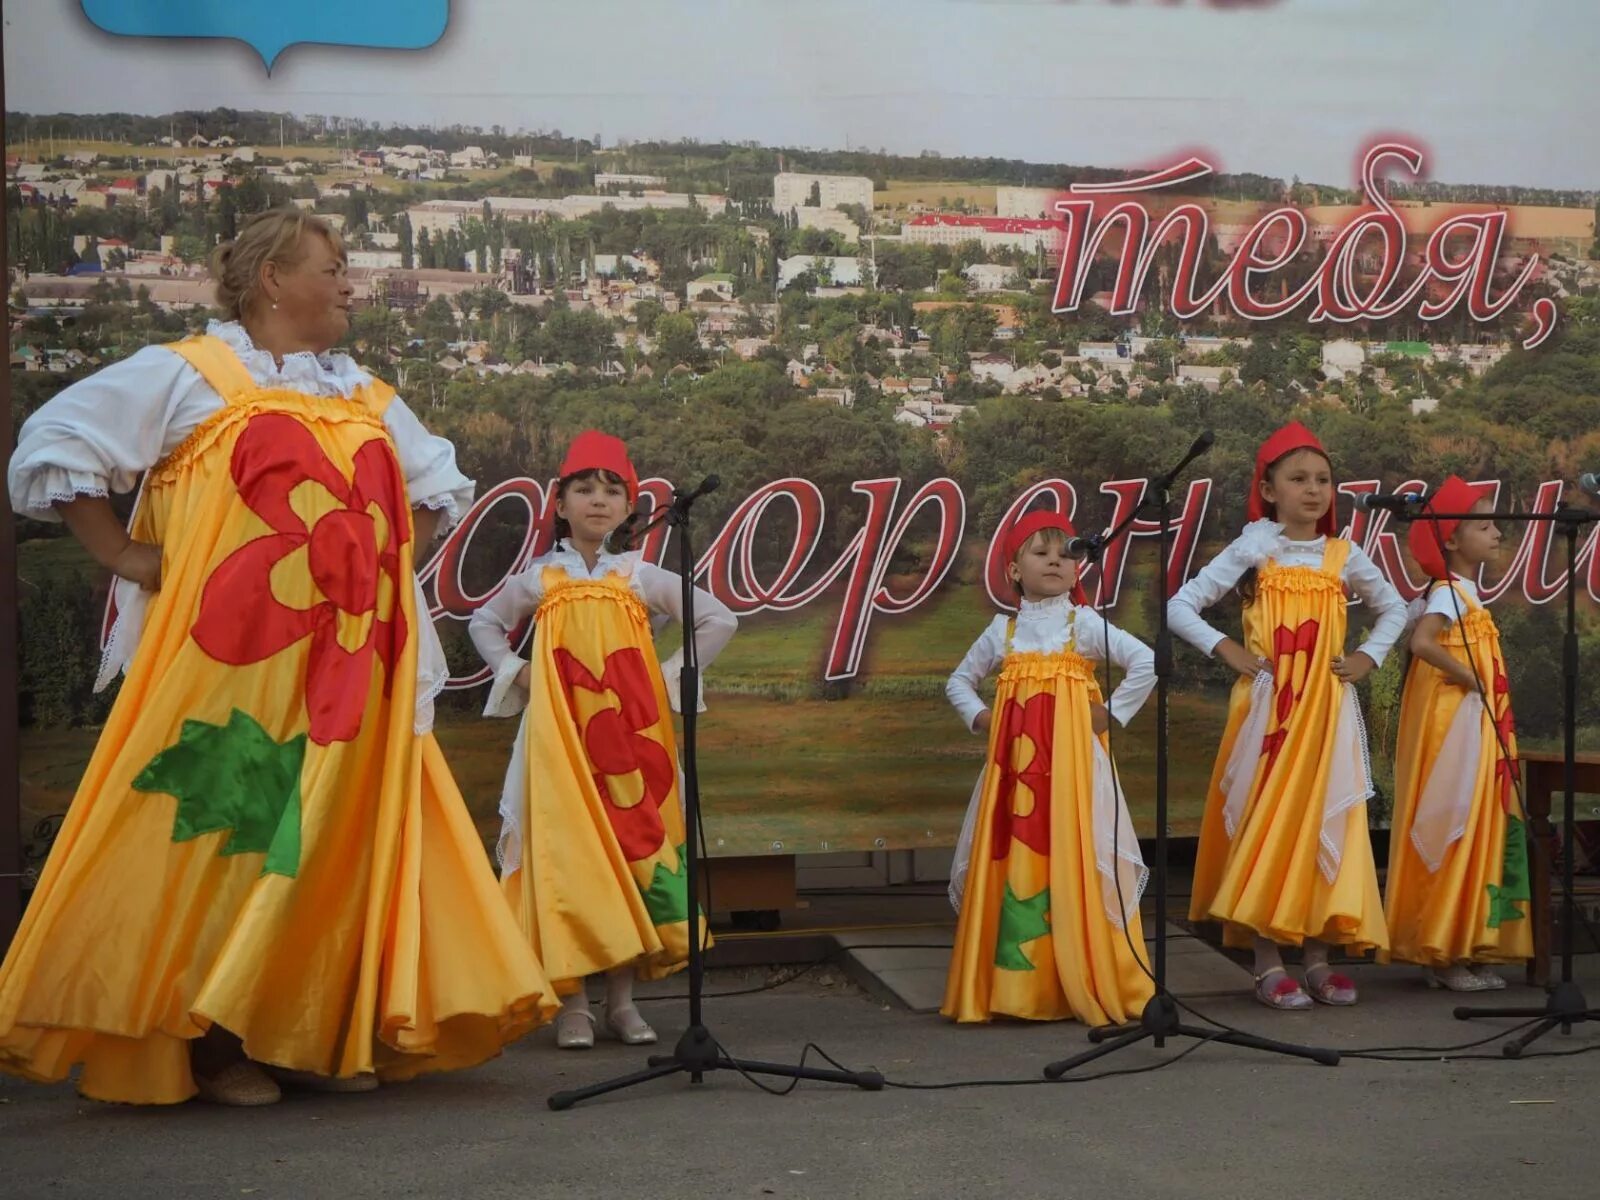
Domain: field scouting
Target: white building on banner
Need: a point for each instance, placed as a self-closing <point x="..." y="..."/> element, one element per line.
<point x="793" y="190"/>
<point x="992" y="233"/>
<point x="990" y="277"/>
<point x="1341" y="357"/>
<point x="830" y="270"/>
<point x="1028" y="203"/>
<point x="439" y="216"/>
<point x="377" y="260"/>
<point x="623" y="180"/>
<point x="830" y="219"/>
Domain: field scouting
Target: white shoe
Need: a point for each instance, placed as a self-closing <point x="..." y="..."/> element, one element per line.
<point x="1491" y="979"/>
<point x="575" y="1029"/>
<point x="1455" y="978"/>
<point x="630" y="1028"/>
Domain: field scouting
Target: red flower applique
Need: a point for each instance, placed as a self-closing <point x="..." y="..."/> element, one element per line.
<point x="1288" y="644"/>
<point x="634" y="772"/>
<point x="1035" y="721"/>
<point x="241" y="621"/>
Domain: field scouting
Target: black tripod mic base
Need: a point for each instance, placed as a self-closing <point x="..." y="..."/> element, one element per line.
<point x="1563" y="1008"/>
<point x="697" y="1054"/>
<point x="1159" y="1021"/>
<point x="1565" y="1002"/>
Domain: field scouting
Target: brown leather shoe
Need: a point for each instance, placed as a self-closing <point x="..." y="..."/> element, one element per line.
<point x="310" y="1081"/>
<point x="241" y="1084"/>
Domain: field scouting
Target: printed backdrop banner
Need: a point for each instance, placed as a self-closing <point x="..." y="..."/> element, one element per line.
<point x="897" y="272"/>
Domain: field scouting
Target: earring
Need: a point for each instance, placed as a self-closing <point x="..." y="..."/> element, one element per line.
<point x="274" y="306"/>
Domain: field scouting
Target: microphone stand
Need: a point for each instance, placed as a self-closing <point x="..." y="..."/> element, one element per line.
<point x="1159" y="1019"/>
<point x="1565" y="1004"/>
<point x="697" y="1052"/>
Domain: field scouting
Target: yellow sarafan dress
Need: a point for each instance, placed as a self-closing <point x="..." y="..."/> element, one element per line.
<point x="1041" y="934"/>
<point x="262" y="840"/>
<point x="1284" y="848"/>
<point x="1457" y="888"/>
<point x="595" y="869"/>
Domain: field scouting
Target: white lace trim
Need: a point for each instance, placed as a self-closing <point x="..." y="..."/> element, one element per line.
<point x="445" y="502"/>
<point x="1038" y="610"/>
<point x="1349" y="781"/>
<point x="326" y="374"/>
<point x="433" y="669"/>
<point x="1045" y="626"/>
<point x="1263" y="540"/>
<point x="506" y="699"/>
<point x="49" y="486"/>
<point x="131" y="602"/>
<point x="1239" y="776"/>
<point x="1123" y="875"/>
<point x="508" y="847"/>
<point x="1445" y="805"/>
<point x="564" y="556"/>
<point x="961" y="864"/>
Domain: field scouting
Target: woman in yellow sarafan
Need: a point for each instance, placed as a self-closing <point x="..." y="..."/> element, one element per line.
<point x="1047" y="874"/>
<point x="591" y="846"/>
<point x="1457" y="890"/>
<point x="1285" y="856"/>
<point x="267" y="874"/>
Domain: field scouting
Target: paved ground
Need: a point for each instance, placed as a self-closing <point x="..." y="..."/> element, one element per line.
<point x="1221" y="1122"/>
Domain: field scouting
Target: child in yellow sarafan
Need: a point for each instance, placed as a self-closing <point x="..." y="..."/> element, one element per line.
<point x="1457" y="892"/>
<point x="1048" y="875"/>
<point x="591" y="845"/>
<point x="1285" y="857"/>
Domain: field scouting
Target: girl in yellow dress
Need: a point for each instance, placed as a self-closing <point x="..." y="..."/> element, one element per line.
<point x="267" y="874"/>
<point x="1285" y="857"/>
<point x="1048" y="875"/>
<point x="1457" y="890"/>
<point x="592" y="840"/>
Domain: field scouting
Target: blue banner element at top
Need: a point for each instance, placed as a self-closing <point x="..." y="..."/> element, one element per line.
<point x="272" y="27"/>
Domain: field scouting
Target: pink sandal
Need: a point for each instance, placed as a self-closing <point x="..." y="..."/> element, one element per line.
<point x="1331" y="988"/>
<point x="1285" y="995"/>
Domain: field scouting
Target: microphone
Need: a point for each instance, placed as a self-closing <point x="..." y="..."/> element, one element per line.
<point x="1590" y="482"/>
<point x="681" y="500"/>
<point x="1196" y="448"/>
<point x="709" y="484"/>
<point x="625" y="534"/>
<point x="1398" y="502"/>
<point x="1083" y="547"/>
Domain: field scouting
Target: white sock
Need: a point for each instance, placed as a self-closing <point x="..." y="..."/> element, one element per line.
<point x="1268" y="956"/>
<point x="619" y="988"/>
<point x="1315" y="956"/>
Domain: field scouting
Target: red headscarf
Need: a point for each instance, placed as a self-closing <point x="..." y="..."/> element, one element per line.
<point x="1026" y="526"/>
<point x="596" y="451"/>
<point x="1293" y="436"/>
<point x="1428" y="535"/>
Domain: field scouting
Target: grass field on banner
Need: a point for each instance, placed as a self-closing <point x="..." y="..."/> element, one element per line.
<point x="783" y="768"/>
<point x="789" y="764"/>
